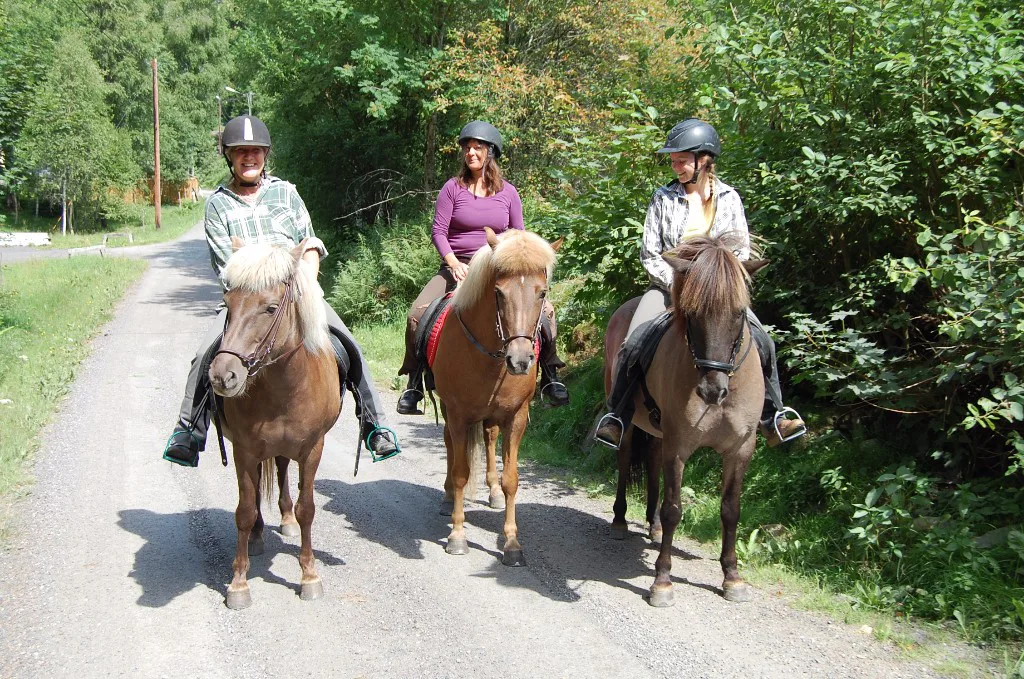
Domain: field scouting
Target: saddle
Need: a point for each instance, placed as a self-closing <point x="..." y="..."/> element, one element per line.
<point x="637" y="355"/>
<point x="427" y="333"/>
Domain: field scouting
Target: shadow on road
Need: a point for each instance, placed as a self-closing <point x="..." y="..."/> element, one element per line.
<point x="164" y="569"/>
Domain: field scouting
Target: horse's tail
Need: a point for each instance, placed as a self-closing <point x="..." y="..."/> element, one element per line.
<point x="267" y="484"/>
<point x="476" y="449"/>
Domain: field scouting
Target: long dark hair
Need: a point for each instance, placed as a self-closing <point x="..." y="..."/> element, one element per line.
<point x="494" y="181"/>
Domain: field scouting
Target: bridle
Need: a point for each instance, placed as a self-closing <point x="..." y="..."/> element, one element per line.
<point x="500" y="329"/>
<point x="733" y="365"/>
<point x="257" y="360"/>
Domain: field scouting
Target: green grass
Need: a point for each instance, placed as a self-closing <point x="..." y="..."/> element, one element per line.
<point x="49" y="310"/>
<point x="174" y="221"/>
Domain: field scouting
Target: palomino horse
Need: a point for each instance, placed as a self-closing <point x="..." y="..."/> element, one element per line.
<point x="279" y="378"/>
<point x="485" y="371"/>
<point x="639" y="454"/>
<point x="707" y="382"/>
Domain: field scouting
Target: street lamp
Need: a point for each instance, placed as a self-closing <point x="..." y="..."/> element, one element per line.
<point x="248" y="96"/>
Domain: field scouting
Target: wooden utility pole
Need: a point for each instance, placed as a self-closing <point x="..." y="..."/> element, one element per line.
<point x="156" y="148"/>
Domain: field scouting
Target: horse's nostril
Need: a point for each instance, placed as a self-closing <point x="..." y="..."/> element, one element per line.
<point x="722" y="396"/>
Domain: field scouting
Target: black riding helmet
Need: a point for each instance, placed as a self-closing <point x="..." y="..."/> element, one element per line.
<point x="692" y="135"/>
<point x="245" y="131"/>
<point x="484" y="132"/>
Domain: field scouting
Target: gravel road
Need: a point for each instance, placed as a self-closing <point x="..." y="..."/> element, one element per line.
<point x="117" y="562"/>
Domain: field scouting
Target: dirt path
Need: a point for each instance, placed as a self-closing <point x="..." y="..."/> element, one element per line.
<point x="119" y="560"/>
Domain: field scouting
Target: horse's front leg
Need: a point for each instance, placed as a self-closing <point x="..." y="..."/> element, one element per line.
<point x="312" y="587"/>
<point x="734" y="467"/>
<point x="512" y="551"/>
<point x="496" y="498"/>
<point x="674" y="457"/>
<point x="289" y="524"/>
<point x="238" y="596"/>
<point x="456" y="434"/>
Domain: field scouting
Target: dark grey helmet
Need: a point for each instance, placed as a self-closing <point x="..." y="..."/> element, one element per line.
<point x="693" y="135"/>
<point x="245" y="131"/>
<point x="484" y="132"/>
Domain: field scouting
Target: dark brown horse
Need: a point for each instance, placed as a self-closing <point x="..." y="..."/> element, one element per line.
<point x="279" y="378"/>
<point x="485" y="372"/>
<point x="706" y="379"/>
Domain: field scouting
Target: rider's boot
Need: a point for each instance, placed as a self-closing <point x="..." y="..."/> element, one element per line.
<point x="408" y="402"/>
<point x="609" y="431"/>
<point x="782" y="427"/>
<point x="183" y="447"/>
<point x="552" y="391"/>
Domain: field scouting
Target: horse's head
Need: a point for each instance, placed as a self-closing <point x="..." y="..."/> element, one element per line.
<point x="709" y="294"/>
<point x="274" y="307"/>
<point x="515" y="268"/>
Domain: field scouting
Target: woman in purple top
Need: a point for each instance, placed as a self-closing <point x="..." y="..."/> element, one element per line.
<point x="476" y="197"/>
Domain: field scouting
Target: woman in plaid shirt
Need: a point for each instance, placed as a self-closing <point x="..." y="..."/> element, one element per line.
<point x="696" y="203"/>
<point x="261" y="209"/>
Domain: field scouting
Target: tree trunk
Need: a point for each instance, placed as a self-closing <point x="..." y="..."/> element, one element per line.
<point x="63" y="209"/>
<point x="430" y="154"/>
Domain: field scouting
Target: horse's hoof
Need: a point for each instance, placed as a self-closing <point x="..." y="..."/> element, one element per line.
<point x="619" y="531"/>
<point x="457" y="546"/>
<point x="497" y="500"/>
<point x="737" y="591"/>
<point x="446" y="508"/>
<point x="256" y="547"/>
<point x="655" y="535"/>
<point x="314" y="589"/>
<point x="513" y="557"/>
<point x="238" y="599"/>
<point x="661" y="596"/>
<point x="290" y="530"/>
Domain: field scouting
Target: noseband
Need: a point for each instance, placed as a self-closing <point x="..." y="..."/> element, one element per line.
<point x="500" y="329"/>
<point x="733" y="365"/>
<point x="257" y="360"/>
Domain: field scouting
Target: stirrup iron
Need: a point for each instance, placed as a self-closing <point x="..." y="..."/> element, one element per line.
<point x="781" y="415"/>
<point x="610" y="417"/>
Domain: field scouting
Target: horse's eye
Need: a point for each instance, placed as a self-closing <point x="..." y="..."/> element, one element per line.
<point x="543" y="294"/>
<point x="272" y="309"/>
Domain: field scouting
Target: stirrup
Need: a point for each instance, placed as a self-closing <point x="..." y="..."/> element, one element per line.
<point x="610" y="417"/>
<point x="191" y="439"/>
<point x="551" y="384"/>
<point x="781" y="414"/>
<point x="394" y="439"/>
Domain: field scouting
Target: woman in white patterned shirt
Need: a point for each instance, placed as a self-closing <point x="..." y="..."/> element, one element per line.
<point x="696" y="203"/>
<point x="260" y="209"/>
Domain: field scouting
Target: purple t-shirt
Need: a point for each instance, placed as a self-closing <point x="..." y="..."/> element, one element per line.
<point x="460" y="217"/>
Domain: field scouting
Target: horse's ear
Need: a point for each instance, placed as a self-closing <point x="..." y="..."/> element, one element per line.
<point x="676" y="262"/>
<point x="299" y="249"/>
<point x="237" y="244"/>
<point x="556" y="246"/>
<point x="754" y="265"/>
<point x="492" y="239"/>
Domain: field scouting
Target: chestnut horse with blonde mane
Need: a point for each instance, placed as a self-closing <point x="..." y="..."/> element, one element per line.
<point x="707" y="382"/>
<point x="485" y="372"/>
<point x="279" y="379"/>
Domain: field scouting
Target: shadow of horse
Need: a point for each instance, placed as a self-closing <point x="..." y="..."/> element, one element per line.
<point x="165" y="571"/>
<point x="556" y="564"/>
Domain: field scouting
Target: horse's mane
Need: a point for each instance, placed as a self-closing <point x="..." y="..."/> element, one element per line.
<point x="518" y="253"/>
<point x="255" y="268"/>
<point x="715" y="283"/>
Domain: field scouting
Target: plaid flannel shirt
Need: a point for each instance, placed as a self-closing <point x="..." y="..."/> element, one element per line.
<point x="277" y="216"/>
<point x="666" y="220"/>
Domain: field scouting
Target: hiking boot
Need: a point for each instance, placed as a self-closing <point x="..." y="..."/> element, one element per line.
<point x="182" y="448"/>
<point x="553" y="392"/>
<point x="783" y="427"/>
<point x="609" y="431"/>
<point x="382" y="442"/>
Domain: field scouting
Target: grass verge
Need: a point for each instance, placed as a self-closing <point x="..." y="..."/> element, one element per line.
<point x="174" y="221"/>
<point x="49" y="310"/>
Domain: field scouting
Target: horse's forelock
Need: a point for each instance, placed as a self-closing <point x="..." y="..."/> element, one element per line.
<point x="716" y="282"/>
<point x="255" y="268"/>
<point x="517" y="253"/>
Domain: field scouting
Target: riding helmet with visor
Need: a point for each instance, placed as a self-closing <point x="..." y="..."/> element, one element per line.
<point x="692" y="135"/>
